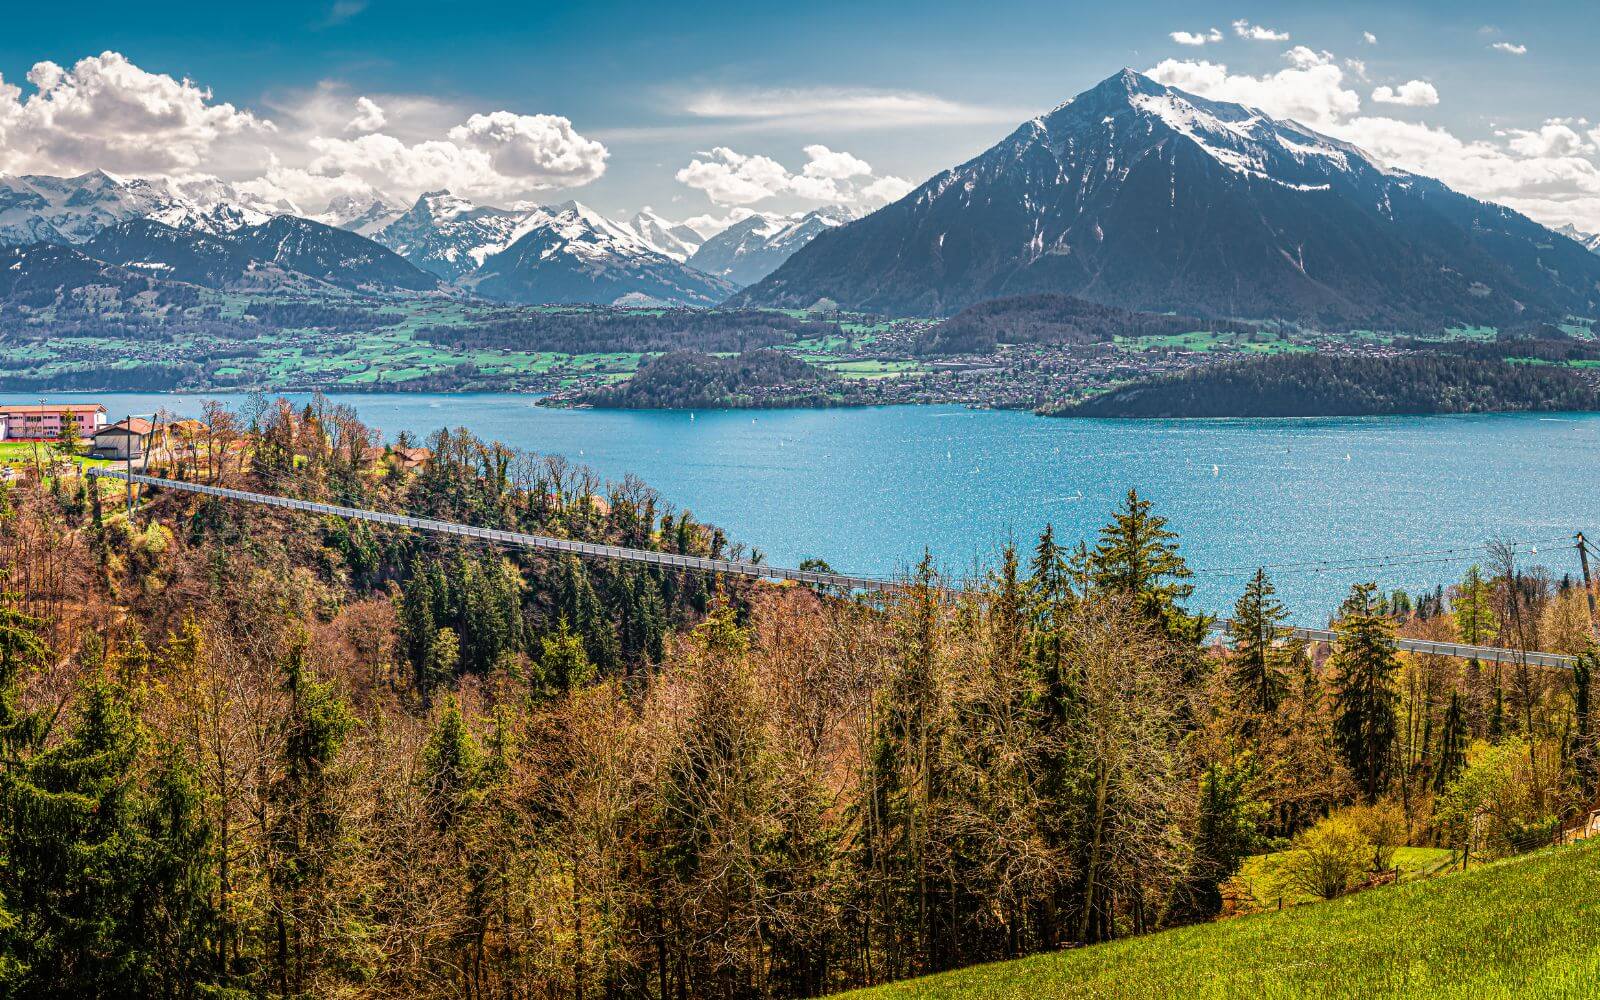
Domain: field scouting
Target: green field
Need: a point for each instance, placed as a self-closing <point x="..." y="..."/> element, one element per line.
<point x="1527" y="927"/>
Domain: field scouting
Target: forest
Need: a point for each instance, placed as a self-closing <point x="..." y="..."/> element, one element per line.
<point x="687" y="380"/>
<point x="246" y="752"/>
<point x="606" y="331"/>
<point x="1051" y="319"/>
<point x="1321" y="385"/>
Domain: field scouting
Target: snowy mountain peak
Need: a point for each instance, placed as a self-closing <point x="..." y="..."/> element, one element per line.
<point x="749" y="250"/>
<point x="672" y="239"/>
<point x="359" y="215"/>
<point x="1138" y="194"/>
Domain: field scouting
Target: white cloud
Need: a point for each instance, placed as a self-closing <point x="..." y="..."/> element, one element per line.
<point x="1413" y="94"/>
<point x="1196" y="38"/>
<point x="1302" y="57"/>
<point x="1312" y="92"/>
<point x="1257" y="33"/>
<point x="105" y="112"/>
<point x="369" y="116"/>
<point x="709" y="224"/>
<point x="731" y="178"/>
<point x="824" y="162"/>
<point x="1511" y="47"/>
<point x="1551" y="139"/>
<point x="1549" y="172"/>
<point x="835" y="108"/>
<point x="544" y="151"/>
<point x="1358" y="67"/>
<point x="1369" y="38"/>
<point x="885" y="190"/>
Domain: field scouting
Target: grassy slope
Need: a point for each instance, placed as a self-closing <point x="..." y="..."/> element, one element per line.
<point x="1527" y="927"/>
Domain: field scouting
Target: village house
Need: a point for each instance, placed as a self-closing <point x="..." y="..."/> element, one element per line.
<point x="124" y="440"/>
<point x="42" y="421"/>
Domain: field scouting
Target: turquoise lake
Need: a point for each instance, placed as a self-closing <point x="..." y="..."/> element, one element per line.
<point x="867" y="489"/>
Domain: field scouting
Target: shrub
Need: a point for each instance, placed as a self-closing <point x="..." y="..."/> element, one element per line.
<point x="1325" y="861"/>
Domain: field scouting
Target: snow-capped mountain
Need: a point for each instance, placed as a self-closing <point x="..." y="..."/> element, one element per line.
<point x="670" y="239"/>
<point x="280" y="252"/>
<point x="570" y="253"/>
<point x="35" y="208"/>
<point x="67" y="210"/>
<point x="1589" y="241"/>
<point x="1143" y="196"/>
<point x="367" y="216"/>
<point x="748" y="251"/>
<point x="450" y="236"/>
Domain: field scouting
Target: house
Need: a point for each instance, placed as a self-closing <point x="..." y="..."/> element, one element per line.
<point x="42" y="421"/>
<point x="412" y="458"/>
<point x="124" y="440"/>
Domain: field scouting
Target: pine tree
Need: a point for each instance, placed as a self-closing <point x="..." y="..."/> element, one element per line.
<point x="563" y="664"/>
<point x="307" y="820"/>
<point x="105" y="864"/>
<point x="69" y="439"/>
<point x="1257" y="678"/>
<point x="1365" y="699"/>
<point x="1228" y="831"/>
<point x="1473" y="609"/>
<point x="1137" y="558"/>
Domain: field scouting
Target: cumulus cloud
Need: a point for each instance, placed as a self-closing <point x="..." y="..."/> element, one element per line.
<point x="1413" y="94"/>
<point x="1257" y="33"/>
<point x="825" y="163"/>
<point x="1553" y="138"/>
<point x="544" y="151"/>
<point x="1196" y="38"/>
<point x="1511" y="47"/>
<point x="369" y="116"/>
<point x="1548" y="172"/>
<point x="732" y="178"/>
<point x="1312" y="91"/>
<point x="1369" y="38"/>
<point x="105" y="112"/>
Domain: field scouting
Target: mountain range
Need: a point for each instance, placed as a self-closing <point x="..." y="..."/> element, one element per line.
<point x="748" y="251"/>
<point x="565" y="253"/>
<point x="1133" y="194"/>
<point x="1139" y="195"/>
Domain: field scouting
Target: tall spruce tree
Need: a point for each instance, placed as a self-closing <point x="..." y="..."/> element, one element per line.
<point x="1256" y="676"/>
<point x="1365" y="700"/>
<point x="1137" y="557"/>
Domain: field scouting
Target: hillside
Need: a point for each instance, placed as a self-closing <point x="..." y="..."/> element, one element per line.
<point x="1143" y="196"/>
<point x="1048" y="319"/>
<point x="1327" y="385"/>
<point x="1526" y="927"/>
<point x="687" y="380"/>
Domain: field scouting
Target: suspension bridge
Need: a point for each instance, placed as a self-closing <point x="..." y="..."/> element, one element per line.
<point x="734" y="567"/>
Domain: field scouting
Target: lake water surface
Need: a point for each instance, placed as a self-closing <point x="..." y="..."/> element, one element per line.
<point x="867" y="489"/>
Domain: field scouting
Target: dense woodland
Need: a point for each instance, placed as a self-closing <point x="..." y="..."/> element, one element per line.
<point x="245" y="752"/>
<point x="1051" y="319"/>
<point x="606" y="331"/>
<point x="686" y="380"/>
<point x="1318" y="385"/>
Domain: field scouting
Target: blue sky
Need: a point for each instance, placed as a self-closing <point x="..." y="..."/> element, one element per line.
<point x="650" y="89"/>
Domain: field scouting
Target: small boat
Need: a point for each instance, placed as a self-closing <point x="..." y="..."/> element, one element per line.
<point x="1215" y="472"/>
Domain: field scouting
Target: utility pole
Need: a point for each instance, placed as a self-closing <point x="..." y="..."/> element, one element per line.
<point x="1588" y="589"/>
